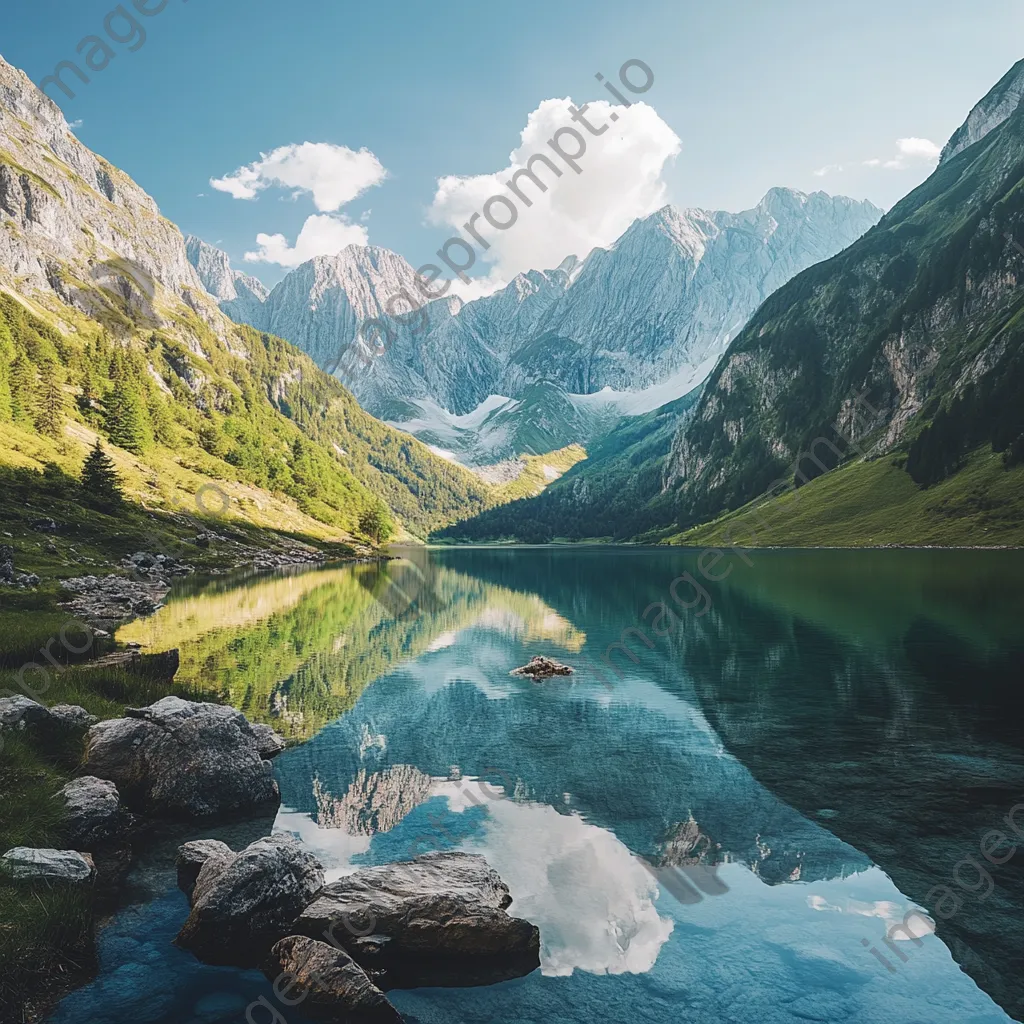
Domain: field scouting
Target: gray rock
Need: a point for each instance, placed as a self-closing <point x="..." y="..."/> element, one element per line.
<point x="439" y="919"/>
<point x="93" y="812"/>
<point x="192" y="857"/>
<point x="71" y="717"/>
<point x="329" y="982"/>
<point x="182" y="759"/>
<point x="18" y="713"/>
<point x="23" y="864"/>
<point x="242" y="905"/>
<point x="270" y="743"/>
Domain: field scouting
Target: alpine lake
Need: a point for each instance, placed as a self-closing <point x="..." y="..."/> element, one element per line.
<point x="745" y="784"/>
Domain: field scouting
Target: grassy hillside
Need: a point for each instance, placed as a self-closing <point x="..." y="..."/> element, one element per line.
<point x="870" y="504"/>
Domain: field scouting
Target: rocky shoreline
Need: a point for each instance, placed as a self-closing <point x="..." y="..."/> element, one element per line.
<point x="440" y="919"/>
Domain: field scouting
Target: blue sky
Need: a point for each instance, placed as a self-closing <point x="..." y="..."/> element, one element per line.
<point x="754" y="94"/>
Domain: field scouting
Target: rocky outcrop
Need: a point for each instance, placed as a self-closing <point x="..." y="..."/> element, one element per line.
<point x="93" y="814"/>
<point x="437" y="920"/>
<point x="989" y="114"/>
<point x="239" y="295"/>
<point x="243" y="904"/>
<point x="23" y="864"/>
<point x="539" y="667"/>
<point x="192" y="858"/>
<point x="9" y="576"/>
<point x="329" y="983"/>
<point x="182" y="759"/>
<point x="109" y="601"/>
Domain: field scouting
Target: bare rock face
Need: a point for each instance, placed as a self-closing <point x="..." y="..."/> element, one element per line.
<point x="193" y="857"/>
<point x="72" y="718"/>
<point x="243" y="904"/>
<point x="93" y="812"/>
<point x="329" y="983"/>
<point x="540" y="667"/>
<point x="182" y="759"/>
<point x="437" y="920"/>
<point x="23" y="864"/>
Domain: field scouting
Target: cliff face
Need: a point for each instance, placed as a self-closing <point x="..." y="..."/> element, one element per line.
<point x="990" y="113"/>
<point x="73" y="225"/>
<point x="915" y="317"/>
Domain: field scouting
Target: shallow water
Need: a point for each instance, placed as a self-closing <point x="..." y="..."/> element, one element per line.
<point x="722" y="826"/>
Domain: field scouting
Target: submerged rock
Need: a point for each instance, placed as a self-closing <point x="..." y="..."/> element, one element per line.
<point x="243" y="904"/>
<point x="540" y="667"/>
<point x="177" y="758"/>
<point x="93" y="812"/>
<point x="192" y="857"/>
<point x="329" y="982"/>
<point x="437" y="920"/>
<point x="23" y="864"/>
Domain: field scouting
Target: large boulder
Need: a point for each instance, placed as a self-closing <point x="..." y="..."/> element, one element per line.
<point x="23" y="864"/>
<point x="193" y="856"/>
<point x="93" y="814"/>
<point x="328" y="982"/>
<point x="243" y="904"/>
<point x="182" y="759"/>
<point x="437" y="920"/>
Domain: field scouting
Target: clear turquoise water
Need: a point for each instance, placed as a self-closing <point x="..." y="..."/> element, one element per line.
<point x="832" y="737"/>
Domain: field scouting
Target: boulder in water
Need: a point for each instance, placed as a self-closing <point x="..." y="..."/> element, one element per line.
<point x="540" y="667"/>
<point x="329" y="983"/>
<point x="182" y="759"/>
<point x="243" y="904"/>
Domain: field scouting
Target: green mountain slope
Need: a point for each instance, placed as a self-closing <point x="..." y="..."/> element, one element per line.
<point x="615" y="494"/>
<point x="105" y="330"/>
<point x="909" y="341"/>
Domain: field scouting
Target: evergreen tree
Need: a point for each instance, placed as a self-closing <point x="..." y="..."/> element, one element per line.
<point x="50" y="410"/>
<point x="23" y="389"/>
<point x="127" y="421"/>
<point x="99" y="477"/>
<point x="377" y="524"/>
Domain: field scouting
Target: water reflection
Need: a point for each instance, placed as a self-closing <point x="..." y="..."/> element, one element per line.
<point x="813" y="724"/>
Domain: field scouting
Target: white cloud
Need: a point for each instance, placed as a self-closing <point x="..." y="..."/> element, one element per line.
<point x="334" y="175"/>
<point x="821" y="172"/>
<point x="909" y="153"/>
<point x="75" y="124"/>
<point x="620" y="179"/>
<point x="321" y="235"/>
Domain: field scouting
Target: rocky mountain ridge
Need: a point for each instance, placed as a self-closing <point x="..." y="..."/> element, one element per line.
<point x="656" y="308"/>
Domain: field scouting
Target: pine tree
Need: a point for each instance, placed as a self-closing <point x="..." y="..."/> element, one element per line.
<point x="50" y="410"/>
<point x="99" y="477"/>
<point x="127" y="422"/>
<point x="23" y="389"/>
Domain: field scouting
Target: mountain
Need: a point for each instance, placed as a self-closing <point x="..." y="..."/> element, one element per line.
<point x="239" y="295"/>
<point x="908" y="343"/>
<point x="876" y="398"/>
<point x="106" y="330"/>
<point x="642" y="321"/>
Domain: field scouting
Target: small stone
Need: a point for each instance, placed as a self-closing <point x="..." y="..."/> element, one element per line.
<point x="269" y="742"/>
<point x="23" y="864"/>
<point x="93" y="812"/>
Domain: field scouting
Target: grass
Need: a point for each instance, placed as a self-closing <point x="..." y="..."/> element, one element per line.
<point x="539" y="471"/>
<point x="45" y="930"/>
<point x="875" y="504"/>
